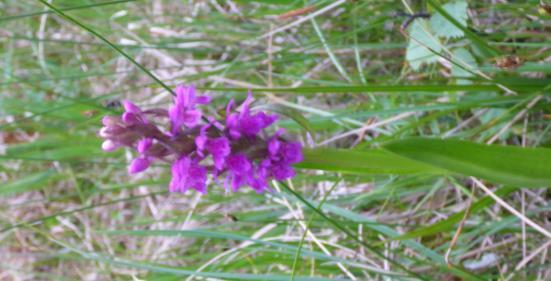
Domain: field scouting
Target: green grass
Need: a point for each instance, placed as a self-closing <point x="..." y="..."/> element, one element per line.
<point x="379" y="204"/>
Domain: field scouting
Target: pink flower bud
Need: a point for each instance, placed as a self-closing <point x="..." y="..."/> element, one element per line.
<point x="138" y="165"/>
<point x="109" y="145"/>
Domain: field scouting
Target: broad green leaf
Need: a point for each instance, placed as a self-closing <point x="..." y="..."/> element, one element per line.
<point x="373" y="161"/>
<point x="422" y="45"/>
<point x="443" y="28"/>
<point x="511" y="165"/>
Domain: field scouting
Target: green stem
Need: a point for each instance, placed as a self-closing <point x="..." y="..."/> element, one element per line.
<point x="299" y="249"/>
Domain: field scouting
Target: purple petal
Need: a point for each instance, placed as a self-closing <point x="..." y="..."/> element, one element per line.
<point x="251" y="125"/>
<point x="182" y="96"/>
<point x="229" y="108"/>
<point x="234" y="134"/>
<point x="187" y="174"/>
<point x="180" y="90"/>
<point x="109" y="120"/>
<point x="179" y="175"/>
<point x="267" y="119"/>
<point x="138" y="165"/>
<point x="232" y="126"/>
<point x="144" y="144"/>
<point x="113" y="131"/>
<point x="189" y="96"/>
<point x="201" y="142"/>
<point x="183" y="111"/>
<point x="239" y="164"/>
<point x="220" y="149"/>
<point x="174" y="114"/>
<point x="259" y="184"/>
<point x="130" y="118"/>
<point x="282" y="172"/>
<point x="197" y="178"/>
<point x="104" y="132"/>
<point x="292" y="152"/>
<point x="203" y="99"/>
<point x="130" y="107"/>
<point x="273" y="147"/>
<point x="191" y="118"/>
<point x="185" y="97"/>
<point x="245" y="106"/>
<point x="237" y="181"/>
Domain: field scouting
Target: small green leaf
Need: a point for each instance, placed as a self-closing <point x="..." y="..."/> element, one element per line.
<point x="479" y="43"/>
<point x="511" y="165"/>
<point x="444" y="28"/>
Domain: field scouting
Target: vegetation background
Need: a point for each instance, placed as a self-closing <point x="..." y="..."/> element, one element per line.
<point x="353" y="75"/>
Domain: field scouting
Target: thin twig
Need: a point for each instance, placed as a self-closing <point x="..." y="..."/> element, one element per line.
<point x="301" y="20"/>
<point x="513" y="211"/>
<point x="459" y="228"/>
<point x="532" y="255"/>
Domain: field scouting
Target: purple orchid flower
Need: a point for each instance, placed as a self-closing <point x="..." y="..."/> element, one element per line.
<point x="235" y="148"/>
<point x="187" y="173"/>
<point x="218" y="147"/>
<point x="183" y="112"/>
<point x="239" y="168"/>
<point x="244" y="123"/>
<point x="251" y="125"/>
<point x="133" y="114"/>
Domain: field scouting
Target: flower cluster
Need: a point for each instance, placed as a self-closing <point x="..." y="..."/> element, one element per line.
<point x="233" y="150"/>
